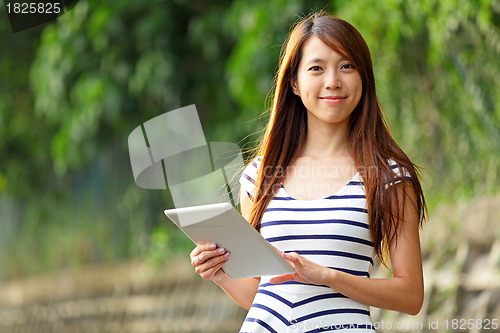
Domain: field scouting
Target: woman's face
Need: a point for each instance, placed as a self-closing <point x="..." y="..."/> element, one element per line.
<point x="329" y="86"/>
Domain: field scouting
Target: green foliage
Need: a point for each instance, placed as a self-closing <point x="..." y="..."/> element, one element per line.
<point x="166" y="243"/>
<point x="72" y="91"/>
<point x="437" y="65"/>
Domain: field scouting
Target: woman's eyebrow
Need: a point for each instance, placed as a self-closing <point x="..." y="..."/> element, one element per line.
<point x="319" y="60"/>
<point x="315" y="60"/>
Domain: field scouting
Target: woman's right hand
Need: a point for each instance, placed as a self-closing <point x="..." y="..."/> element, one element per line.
<point x="208" y="259"/>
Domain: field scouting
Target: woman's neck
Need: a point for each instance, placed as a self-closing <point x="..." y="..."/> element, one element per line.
<point x="326" y="140"/>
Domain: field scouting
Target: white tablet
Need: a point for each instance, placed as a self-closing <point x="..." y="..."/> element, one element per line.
<point x="251" y="254"/>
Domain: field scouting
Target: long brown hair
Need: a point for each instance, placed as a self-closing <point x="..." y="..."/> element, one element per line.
<point x="370" y="142"/>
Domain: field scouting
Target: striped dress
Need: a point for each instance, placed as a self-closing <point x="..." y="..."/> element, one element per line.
<point x="332" y="232"/>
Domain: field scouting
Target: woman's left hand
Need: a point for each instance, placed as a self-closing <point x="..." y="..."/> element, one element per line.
<point x="306" y="271"/>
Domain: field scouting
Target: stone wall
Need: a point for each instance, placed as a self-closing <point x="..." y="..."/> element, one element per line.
<point x="461" y="260"/>
<point x="130" y="297"/>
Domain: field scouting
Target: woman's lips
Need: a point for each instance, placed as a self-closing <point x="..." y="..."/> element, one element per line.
<point x="333" y="99"/>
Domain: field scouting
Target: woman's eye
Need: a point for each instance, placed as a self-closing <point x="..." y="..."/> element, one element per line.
<point x="347" y="66"/>
<point x="315" y="68"/>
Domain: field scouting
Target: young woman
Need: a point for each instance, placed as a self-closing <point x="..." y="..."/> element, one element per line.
<point x="331" y="189"/>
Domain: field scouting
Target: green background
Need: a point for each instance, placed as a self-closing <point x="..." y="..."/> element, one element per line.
<point x="72" y="90"/>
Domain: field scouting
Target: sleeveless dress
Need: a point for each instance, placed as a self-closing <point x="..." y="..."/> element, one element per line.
<point x="332" y="232"/>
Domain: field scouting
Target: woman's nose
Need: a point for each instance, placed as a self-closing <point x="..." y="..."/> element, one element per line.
<point x="333" y="81"/>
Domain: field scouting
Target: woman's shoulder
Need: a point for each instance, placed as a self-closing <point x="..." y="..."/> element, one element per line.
<point x="400" y="173"/>
<point x="255" y="162"/>
<point x="249" y="175"/>
<point x="252" y="168"/>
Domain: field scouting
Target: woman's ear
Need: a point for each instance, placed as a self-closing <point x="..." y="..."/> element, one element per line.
<point x="295" y="88"/>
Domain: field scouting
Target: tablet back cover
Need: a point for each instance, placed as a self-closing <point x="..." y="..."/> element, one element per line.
<point x="251" y="254"/>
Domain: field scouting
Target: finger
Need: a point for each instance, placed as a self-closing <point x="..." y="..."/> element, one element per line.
<point x="212" y="258"/>
<point x="213" y="261"/>
<point x="281" y="278"/>
<point x="200" y="248"/>
<point x="203" y="247"/>
<point x="212" y="271"/>
<point x="212" y="274"/>
<point x="195" y="252"/>
<point x="206" y="255"/>
<point x="291" y="256"/>
<point x="289" y="277"/>
<point x="292" y="260"/>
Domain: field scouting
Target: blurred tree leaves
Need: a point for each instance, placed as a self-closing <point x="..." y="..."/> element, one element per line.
<point x="71" y="92"/>
<point x="437" y="65"/>
<point x="106" y="67"/>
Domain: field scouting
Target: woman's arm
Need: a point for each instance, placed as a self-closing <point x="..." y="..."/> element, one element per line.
<point x="208" y="260"/>
<point x="242" y="291"/>
<point x="403" y="292"/>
